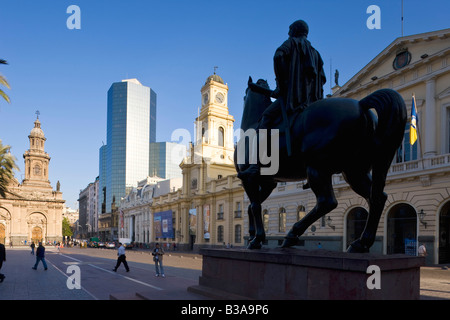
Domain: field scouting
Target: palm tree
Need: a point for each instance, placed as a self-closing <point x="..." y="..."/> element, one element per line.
<point x="7" y="165"/>
<point x="5" y="83"/>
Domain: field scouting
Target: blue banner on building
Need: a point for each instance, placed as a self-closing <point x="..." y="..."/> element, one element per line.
<point x="162" y="222"/>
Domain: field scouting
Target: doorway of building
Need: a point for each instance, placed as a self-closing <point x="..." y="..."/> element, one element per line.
<point x="356" y="221"/>
<point x="444" y="234"/>
<point x="36" y="235"/>
<point x="402" y="230"/>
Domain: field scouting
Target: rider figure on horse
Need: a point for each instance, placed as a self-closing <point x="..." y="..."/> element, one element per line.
<point x="300" y="78"/>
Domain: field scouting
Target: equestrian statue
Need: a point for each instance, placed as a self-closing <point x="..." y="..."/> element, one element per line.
<point x="315" y="138"/>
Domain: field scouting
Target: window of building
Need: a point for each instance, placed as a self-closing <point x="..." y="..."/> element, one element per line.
<point x="282" y="220"/>
<point x="266" y="220"/>
<point x="220" y="137"/>
<point x="220" y="234"/>
<point x="238" y="211"/>
<point x="406" y="152"/>
<point x="448" y="129"/>
<point x="220" y="212"/>
<point x="301" y="212"/>
<point x="237" y="233"/>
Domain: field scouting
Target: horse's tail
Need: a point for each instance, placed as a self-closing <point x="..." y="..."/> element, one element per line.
<point x="391" y="111"/>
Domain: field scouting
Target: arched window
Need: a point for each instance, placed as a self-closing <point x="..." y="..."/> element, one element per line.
<point x="301" y="212"/>
<point x="282" y="220"/>
<point x="266" y="220"/>
<point x="220" y="137"/>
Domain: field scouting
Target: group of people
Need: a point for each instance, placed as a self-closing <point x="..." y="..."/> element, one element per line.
<point x="40" y="256"/>
<point x="157" y="254"/>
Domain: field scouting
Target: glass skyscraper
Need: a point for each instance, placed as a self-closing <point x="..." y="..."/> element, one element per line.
<point x="165" y="159"/>
<point x="131" y="126"/>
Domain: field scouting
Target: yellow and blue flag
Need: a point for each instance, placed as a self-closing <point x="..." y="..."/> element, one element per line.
<point x="414" y="122"/>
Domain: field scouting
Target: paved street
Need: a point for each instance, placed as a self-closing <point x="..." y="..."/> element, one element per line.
<point x="99" y="282"/>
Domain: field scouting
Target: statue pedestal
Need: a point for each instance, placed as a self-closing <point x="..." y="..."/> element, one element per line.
<point x="286" y="274"/>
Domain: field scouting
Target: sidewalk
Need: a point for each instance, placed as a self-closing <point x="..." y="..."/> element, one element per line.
<point x="23" y="283"/>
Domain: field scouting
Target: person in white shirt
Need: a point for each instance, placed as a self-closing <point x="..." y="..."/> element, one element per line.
<point x="422" y="250"/>
<point x="121" y="258"/>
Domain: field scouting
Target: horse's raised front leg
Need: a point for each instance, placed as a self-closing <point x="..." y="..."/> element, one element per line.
<point x="257" y="196"/>
<point x="321" y="185"/>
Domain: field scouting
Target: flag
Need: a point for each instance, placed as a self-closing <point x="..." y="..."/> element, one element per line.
<point x="413" y="129"/>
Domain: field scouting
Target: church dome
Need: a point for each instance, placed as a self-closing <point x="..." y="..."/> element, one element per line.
<point x="215" y="78"/>
<point x="37" y="131"/>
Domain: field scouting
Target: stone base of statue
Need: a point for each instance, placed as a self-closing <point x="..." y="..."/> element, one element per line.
<point x="292" y="274"/>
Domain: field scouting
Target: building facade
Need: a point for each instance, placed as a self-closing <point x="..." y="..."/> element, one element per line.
<point x="131" y="127"/>
<point x="32" y="210"/>
<point x="418" y="207"/>
<point x="88" y="212"/>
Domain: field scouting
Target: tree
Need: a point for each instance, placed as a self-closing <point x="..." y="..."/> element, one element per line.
<point x="7" y="165"/>
<point x="5" y="83"/>
<point x="66" y="229"/>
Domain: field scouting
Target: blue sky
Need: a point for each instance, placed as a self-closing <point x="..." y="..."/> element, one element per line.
<point x="171" y="46"/>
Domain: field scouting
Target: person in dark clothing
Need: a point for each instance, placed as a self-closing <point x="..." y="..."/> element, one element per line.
<point x="32" y="247"/>
<point x="40" y="256"/>
<point x="2" y="259"/>
<point x="121" y="258"/>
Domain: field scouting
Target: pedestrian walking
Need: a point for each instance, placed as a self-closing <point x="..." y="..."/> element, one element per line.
<point x="422" y="250"/>
<point x="40" y="256"/>
<point x="32" y="247"/>
<point x="2" y="259"/>
<point x="121" y="258"/>
<point x="158" y="259"/>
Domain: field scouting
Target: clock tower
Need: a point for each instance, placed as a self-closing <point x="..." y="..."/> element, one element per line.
<point x="214" y="123"/>
<point x="36" y="159"/>
<point x="211" y="155"/>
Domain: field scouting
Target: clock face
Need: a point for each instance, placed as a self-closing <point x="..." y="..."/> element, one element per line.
<point x="205" y="98"/>
<point x="220" y="98"/>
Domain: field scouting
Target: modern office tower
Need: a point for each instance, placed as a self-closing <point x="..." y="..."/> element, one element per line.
<point x="131" y="126"/>
<point x="165" y="159"/>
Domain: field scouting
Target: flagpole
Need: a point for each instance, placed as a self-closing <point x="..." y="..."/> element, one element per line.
<point x="402" y="18"/>
<point x="418" y="132"/>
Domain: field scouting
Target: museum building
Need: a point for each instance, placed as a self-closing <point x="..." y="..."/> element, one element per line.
<point x="32" y="210"/>
<point x="418" y="184"/>
<point x="210" y="207"/>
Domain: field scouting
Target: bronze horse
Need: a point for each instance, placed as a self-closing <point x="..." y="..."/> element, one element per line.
<point x="331" y="136"/>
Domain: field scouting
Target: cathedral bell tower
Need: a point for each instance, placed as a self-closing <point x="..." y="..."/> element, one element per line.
<point x="36" y="159"/>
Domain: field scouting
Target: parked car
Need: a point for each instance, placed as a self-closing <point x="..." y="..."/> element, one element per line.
<point x="110" y="245"/>
<point x="101" y="244"/>
<point x="128" y="246"/>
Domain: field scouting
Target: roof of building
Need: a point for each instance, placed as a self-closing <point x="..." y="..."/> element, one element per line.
<point x="215" y="78"/>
